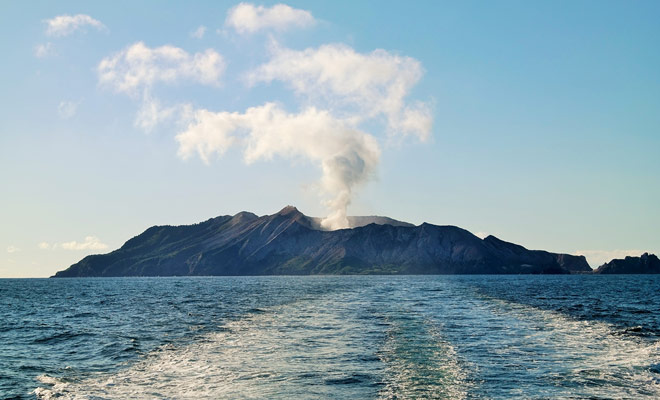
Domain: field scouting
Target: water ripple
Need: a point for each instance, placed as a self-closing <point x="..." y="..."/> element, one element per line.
<point x="531" y="337"/>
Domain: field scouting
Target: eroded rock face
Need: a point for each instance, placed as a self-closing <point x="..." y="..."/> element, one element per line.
<point x="289" y="242"/>
<point x="644" y="264"/>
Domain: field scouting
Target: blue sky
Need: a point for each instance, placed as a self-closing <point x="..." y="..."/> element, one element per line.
<point x="538" y="122"/>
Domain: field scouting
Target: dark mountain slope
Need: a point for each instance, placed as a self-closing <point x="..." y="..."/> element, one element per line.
<point x="289" y="242"/>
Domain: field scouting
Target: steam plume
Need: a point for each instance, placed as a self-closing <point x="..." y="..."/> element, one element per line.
<point x="347" y="157"/>
<point x="339" y="89"/>
<point x="342" y="89"/>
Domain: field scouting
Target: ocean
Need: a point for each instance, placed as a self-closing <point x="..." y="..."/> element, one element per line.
<point x="340" y="337"/>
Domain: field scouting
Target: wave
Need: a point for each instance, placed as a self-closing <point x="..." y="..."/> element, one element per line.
<point x="299" y="349"/>
<point x="553" y="355"/>
<point x="61" y="337"/>
<point x="388" y="341"/>
<point x="420" y="363"/>
<point x="333" y="346"/>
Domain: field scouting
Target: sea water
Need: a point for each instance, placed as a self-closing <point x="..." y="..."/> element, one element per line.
<point x="353" y="337"/>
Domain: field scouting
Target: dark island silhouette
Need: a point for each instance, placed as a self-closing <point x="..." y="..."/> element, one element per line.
<point x="644" y="264"/>
<point x="291" y="243"/>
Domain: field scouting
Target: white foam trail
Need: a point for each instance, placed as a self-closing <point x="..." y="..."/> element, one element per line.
<point x="452" y="345"/>
<point x="288" y="351"/>
<point x="584" y="359"/>
<point x="421" y="363"/>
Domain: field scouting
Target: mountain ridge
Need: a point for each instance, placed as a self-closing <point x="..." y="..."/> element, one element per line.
<point x="289" y="242"/>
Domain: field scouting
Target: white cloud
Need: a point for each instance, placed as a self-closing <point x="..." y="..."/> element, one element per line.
<point x="43" y="50"/>
<point x="13" y="249"/>
<point x="209" y="133"/>
<point x="346" y="156"/>
<point x="341" y="90"/>
<point x="247" y="18"/>
<point x="67" y="109"/>
<point x="64" y="25"/>
<point x="597" y="258"/>
<point x="199" y="32"/>
<point x="140" y="67"/>
<point x="90" y="243"/>
<point x="481" y="235"/>
<point x="361" y="85"/>
<point x="152" y="113"/>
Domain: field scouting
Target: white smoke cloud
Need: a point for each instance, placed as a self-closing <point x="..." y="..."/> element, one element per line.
<point x="346" y="156"/>
<point x="362" y="86"/>
<point x="340" y="90"/>
<point x="246" y="18"/>
<point x="140" y="67"/>
<point x="64" y="25"/>
<point x="13" y="249"/>
<point x="137" y="68"/>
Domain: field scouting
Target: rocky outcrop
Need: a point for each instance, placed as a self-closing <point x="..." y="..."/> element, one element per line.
<point x="289" y="242"/>
<point x="644" y="264"/>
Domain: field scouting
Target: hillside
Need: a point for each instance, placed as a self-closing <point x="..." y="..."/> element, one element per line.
<point x="291" y="243"/>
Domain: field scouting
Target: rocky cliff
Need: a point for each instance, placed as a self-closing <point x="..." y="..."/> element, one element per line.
<point x="644" y="264"/>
